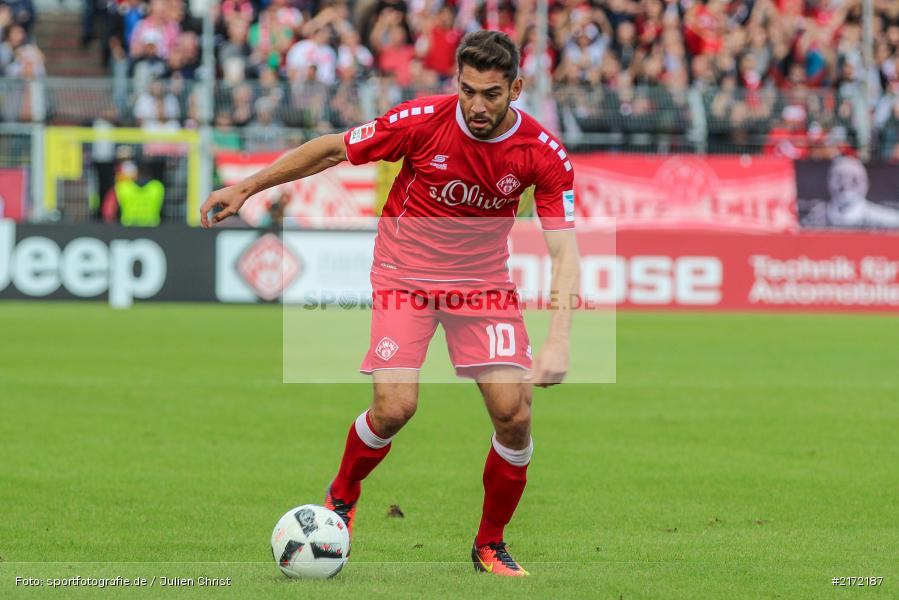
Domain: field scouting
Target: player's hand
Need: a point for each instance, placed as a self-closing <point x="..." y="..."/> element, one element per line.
<point x="228" y="200"/>
<point x="550" y="366"/>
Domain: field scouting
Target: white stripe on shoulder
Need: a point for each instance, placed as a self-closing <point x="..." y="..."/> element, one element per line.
<point x="557" y="148"/>
<point x="414" y="111"/>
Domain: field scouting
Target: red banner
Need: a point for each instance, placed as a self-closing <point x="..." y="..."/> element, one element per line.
<point x="716" y="270"/>
<point x="340" y="194"/>
<point x="734" y="193"/>
<point x="12" y="194"/>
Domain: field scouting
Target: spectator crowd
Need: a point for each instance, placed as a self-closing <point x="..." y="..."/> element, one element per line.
<point x="788" y="77"/>
<point x="20" y="57"/>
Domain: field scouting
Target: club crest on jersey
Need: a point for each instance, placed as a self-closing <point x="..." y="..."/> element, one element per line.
<point x="386" y="348"/>
<point x="508" y="184"/>
<point x="363" y="132"/>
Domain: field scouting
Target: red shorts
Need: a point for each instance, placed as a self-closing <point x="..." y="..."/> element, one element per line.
<point x="482" y="322"/>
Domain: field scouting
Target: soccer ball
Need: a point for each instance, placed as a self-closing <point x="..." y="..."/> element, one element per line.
<point x="310" y="541"/>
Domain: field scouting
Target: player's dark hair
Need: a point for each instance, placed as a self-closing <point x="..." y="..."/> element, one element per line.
<point x="485" y="50"/>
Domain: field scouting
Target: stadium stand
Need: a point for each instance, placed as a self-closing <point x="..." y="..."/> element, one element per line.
<point x="771" y="76"/>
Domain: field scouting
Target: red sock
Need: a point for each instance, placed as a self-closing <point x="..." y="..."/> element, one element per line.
<point x="364" y="450"/>
<point x="503" y="485"/>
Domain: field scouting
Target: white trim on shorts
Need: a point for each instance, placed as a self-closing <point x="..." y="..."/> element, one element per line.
<point x="491" y="364"/>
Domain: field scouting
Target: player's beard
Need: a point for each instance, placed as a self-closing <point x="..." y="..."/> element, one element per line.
<point x="487" y="132"/>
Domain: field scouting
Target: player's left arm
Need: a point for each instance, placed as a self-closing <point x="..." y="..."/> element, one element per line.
<point x="554" y="200"/>
<point x="551" y="363"/>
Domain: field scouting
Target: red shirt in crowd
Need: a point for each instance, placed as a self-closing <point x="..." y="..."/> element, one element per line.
<point x="396" y="60"/>
<point x="441" y="55"/>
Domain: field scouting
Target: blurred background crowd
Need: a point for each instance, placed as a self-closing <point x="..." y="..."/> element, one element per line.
<point x="778" y="76"/>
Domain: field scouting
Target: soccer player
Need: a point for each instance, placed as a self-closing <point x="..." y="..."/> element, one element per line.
<point x="444" y="230"/>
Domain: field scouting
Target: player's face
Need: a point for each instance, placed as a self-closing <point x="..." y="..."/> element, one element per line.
<point x="485" y="97"/>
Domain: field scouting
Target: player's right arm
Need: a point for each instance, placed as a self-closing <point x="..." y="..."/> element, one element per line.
<point x="308" y="159"/>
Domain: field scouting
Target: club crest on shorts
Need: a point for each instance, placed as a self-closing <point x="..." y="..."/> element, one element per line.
<point x="363" y="132"/>
<point x="508" y="184"/>
<point x="386" y="348"/>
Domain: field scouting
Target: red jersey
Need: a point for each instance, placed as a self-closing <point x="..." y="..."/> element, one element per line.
<point x="441" y="56"/>
<point x="433" y="224"/>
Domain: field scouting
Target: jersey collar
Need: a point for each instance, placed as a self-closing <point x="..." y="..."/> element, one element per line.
<point x="460" y="120"/>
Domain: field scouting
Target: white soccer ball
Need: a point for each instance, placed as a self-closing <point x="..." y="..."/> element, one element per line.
<point x="310" y="541"/>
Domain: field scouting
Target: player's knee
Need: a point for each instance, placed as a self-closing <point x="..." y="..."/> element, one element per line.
<point x="399" y="413"/>
<point x="389" y="415"/>
<point x="513" y="418"/>
<point x="525" y="393"/>
<point x="514" y="430"/>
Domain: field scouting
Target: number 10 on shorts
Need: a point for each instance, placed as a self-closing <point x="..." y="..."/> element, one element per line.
<point x="501" y="340"/>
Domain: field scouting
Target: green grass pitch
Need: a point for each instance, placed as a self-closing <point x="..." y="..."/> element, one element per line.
<point x="737" y="456"/>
